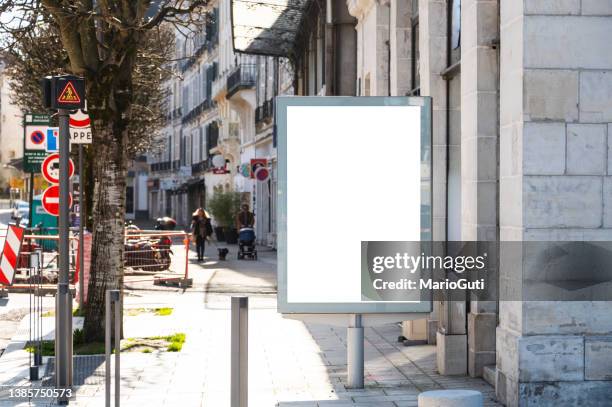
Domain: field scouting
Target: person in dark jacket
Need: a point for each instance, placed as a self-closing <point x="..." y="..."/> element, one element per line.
<point x="245" y="218"/>
<point x="198" y="228"/>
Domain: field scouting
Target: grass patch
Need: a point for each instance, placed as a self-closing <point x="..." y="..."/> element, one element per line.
<point x="176" y="342"/>
<point x="48" y="348"/>
<point x="76" y="312"/>
<point x="169" y="343"/>
<point x="163" y="312"/>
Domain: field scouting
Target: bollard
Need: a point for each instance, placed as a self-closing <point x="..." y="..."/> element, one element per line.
<point x="239" y="352"/>
<point x="186" y="282"/>
<point x="112" y="296"/>
<point x="354" y="352"/>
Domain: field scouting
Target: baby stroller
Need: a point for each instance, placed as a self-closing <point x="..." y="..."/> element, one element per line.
<point x="246" y="244"/>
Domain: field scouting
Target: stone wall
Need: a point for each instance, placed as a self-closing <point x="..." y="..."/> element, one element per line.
<point x="555" y="114"/>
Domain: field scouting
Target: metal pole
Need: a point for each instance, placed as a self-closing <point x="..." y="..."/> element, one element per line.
<point x="186" y="243"/>
<point x="81" y="227"/>
<point x="354" y="336"/>
<point x="63" y="333"/>
<point x="117" y="298"/>
<point x="107" y="348"/>
<point x="31" y="197"/>
<point x="239" y="352"/>
<point x="112" y="297"/>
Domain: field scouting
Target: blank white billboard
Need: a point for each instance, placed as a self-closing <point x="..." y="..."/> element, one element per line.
<point x="350" y="170"/>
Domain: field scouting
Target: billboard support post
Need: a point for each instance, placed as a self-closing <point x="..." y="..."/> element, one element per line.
<point x="240" y="349"/>
<point x="355" y="352"/>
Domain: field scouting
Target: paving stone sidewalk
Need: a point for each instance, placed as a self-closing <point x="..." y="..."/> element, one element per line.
<point x="291" y="363"/>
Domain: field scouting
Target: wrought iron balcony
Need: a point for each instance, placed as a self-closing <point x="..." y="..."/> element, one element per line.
<point x="243" y="77"/>
<point x="161" y="166"/>
<point x="264" y="112"/>
<point x="199" y="167"/>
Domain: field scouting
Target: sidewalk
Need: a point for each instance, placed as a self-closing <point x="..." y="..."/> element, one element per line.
<point x="228" y="276"/>
<point x="291" y="364"/>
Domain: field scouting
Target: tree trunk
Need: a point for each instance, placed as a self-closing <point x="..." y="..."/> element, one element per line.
<point x="108" y="211"/>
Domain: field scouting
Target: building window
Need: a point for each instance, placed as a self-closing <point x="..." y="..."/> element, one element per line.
<point x="456" y="25"/>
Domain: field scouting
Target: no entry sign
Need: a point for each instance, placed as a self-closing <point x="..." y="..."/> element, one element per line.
<point x="50" y="168"/>
<point x="50" y="200"/>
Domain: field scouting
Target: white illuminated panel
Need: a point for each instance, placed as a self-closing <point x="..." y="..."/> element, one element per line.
<point x="353" y="174"/>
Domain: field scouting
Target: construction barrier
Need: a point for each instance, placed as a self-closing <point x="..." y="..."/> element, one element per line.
<point x="150" y="252"/>
<point x="146" y="253"/>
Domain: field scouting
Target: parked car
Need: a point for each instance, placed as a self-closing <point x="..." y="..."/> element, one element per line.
<point x="21" y="209"/>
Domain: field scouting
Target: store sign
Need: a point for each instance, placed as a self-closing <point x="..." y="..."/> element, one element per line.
<point x="370" y="182"/>
<point x="257" y="163"/>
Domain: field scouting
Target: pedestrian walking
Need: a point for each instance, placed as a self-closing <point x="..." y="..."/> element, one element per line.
<point x="200" y="224"/>
<point x="244" y="218"/>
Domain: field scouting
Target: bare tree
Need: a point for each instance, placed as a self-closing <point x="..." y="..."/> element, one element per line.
<point x="102" y="40"/>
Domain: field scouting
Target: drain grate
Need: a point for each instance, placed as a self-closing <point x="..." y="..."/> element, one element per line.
<point x="87" y="369"/>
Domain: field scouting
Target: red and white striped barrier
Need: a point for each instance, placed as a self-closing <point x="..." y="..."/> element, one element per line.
<point x="10" y="254"/>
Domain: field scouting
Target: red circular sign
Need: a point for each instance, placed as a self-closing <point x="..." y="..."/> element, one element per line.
<point x="37" y="137"/>
<point x="50" y="168"/>
<point x="50" y="200"/>
<point x="262" y="174"/>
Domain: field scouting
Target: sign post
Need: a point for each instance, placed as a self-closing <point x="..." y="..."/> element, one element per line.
<point x="63" y="93"/>
<point x="63" y="343"/>
<point x="80" y="133"/>
<point x="81" y="259"/>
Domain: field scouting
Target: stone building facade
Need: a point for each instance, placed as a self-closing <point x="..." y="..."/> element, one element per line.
<point x="522" y="113"/>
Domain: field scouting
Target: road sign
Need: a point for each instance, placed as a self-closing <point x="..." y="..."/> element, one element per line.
<point x="80" y="128"/>
<point x="64" y="92"/>
<point x="68" y="95"/>
<point x="50" y="168"/>
<point x="262" y="174"/>
<point x="35" y="137"/>
<point x="34" y="140"/>
<point x="50" y="200"/>
<point x="52" y="139"/>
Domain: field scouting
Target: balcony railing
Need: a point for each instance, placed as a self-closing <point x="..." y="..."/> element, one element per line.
<point x="199" y="167"/>
<point x="162" y="166"/>
<point x="193" y="113"/>
<point x="243" y="77"/>
<point x="264" y="112"/>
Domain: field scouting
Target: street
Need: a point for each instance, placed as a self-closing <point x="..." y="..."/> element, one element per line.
<point x="291" y="363"/>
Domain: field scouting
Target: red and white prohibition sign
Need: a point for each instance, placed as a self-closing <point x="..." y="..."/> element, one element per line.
<point x="50" y="200"/>
<point x="50" y="168"/>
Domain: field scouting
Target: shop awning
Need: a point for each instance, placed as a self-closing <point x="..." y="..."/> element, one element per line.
<point x="267" y="27"/>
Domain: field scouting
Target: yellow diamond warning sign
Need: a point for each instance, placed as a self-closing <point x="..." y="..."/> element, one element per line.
<point x="69" y="95"/>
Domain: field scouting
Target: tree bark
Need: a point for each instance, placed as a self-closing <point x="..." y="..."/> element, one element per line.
<point x="108" y="211"/>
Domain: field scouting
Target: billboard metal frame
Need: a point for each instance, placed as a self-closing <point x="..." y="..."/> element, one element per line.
<point x="281" y="105"/>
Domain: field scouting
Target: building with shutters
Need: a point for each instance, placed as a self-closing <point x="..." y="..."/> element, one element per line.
<point x="521" y="130"/>
<point x="180" y="168"/>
